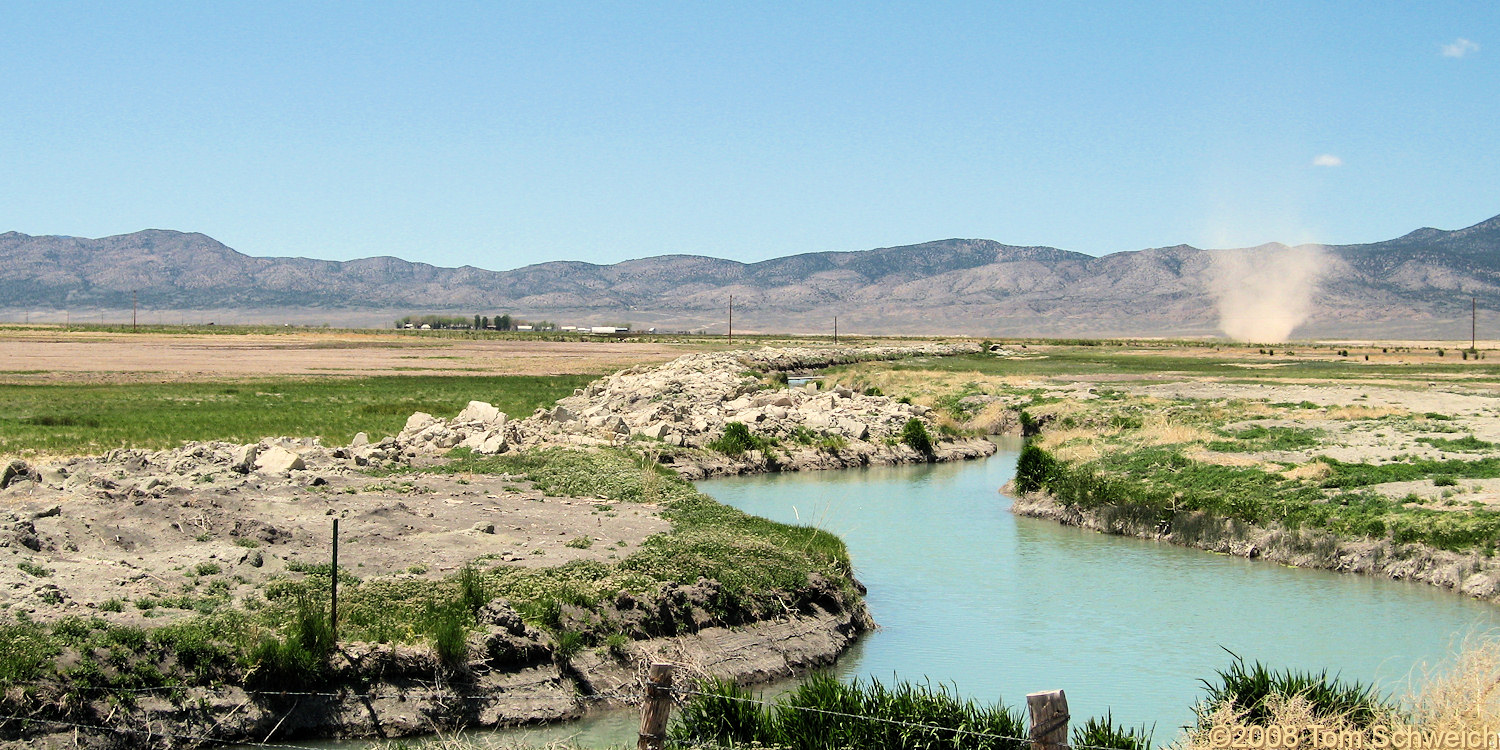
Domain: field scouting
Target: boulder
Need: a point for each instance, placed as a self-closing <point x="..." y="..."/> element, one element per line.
<point x="418" y="422"/>
<point x="481" y="412"/>
<point x="278" y="460"/>
<point x="360" y="440"/>
<point x="16" y="471"/>
<point x="658" y="431"/>
<point x="494" y="443"/>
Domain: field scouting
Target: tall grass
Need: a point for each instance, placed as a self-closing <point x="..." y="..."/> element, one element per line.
<point x="825" y="713"/>
<point x="1253" y="691"/>
<point x="1464" y="700"/>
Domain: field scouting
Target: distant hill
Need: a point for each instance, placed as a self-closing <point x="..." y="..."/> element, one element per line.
<point x="1415" y="285"/>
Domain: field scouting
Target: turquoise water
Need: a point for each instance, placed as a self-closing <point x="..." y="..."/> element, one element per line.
<point x="998" y="606"/>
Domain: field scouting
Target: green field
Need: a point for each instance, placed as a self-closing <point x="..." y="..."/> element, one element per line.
<point x="1304" y="362"/>
<point x="80" y="418"/>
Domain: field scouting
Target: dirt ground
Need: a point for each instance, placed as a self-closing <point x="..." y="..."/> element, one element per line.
<point x="57" y="356"/>
<point x="208" y="533"/>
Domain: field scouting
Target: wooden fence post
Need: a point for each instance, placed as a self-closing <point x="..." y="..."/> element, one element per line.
<point x="1049" y="720"/>
<point x="656" y="708"/>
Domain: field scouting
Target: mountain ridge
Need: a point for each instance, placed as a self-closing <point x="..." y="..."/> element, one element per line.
<point x="973" y="285"/>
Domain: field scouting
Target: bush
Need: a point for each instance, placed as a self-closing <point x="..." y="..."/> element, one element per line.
<point x="914" y="434"/>
<point x="1035" y="469"/>
<point x="1029" y="426"/>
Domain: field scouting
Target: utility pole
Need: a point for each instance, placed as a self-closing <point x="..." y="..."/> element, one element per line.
<point x="1474" y="324"/>
<point x="835" y="329"/>
<point x="133" y="295"/>
<point x="731" y="318"/>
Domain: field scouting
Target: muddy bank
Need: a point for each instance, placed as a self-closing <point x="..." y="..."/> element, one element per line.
<point x="1470" y="574"/>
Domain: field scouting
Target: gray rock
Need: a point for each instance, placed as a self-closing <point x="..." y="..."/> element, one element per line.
<point x="243" y="459"/>
<point x="16" y="471"/>
<point x="278" y="460"/>
<point x="418" y="421"/>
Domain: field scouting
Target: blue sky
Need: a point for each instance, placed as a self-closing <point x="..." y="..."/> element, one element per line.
<point x="498" y="134"/>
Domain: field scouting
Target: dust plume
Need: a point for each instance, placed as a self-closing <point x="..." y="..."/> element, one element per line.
<point x="1264" y="293"/>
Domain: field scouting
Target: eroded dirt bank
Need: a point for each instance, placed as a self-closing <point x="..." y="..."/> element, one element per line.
<point x="1471" y="574"/>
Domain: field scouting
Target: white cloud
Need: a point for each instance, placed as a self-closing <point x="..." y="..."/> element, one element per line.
<point x="1459" y="48"/>
<point x="1327" y="160"/>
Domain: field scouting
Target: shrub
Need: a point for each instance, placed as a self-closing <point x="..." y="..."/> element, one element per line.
<point x="737" y="439"/>
<point x="914" y="434"/>
<point x="1035" y="469"/>
<point x="1029" y="426"/>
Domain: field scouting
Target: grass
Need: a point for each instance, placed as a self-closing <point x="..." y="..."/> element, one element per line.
<point x="737" y="439"/>
<point x="927" y="715"/>
<point x="81" y="418"/>
<point x="1259" y="438"/>
<point x="1133" y="359"/>
<point x="1251" y="690"/>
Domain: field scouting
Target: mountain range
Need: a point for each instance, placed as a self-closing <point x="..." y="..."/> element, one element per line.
<point x="1417" y="285"/>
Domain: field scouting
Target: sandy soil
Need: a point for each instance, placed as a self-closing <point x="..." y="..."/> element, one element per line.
<point x="1372" y="424"/>
<point x="126" y="543"/>
<point x="49" y="356"/>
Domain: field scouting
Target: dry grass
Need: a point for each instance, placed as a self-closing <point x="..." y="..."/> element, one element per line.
<point x="1073" y="445"/>
<point x="1204" y="456"/>
<point x="1363" y="412"/>
<point x="993" y="419"/>
<point x="1312" y="471"/>
<point x="1158" y="429"/>
<point x="1463" y="700"/>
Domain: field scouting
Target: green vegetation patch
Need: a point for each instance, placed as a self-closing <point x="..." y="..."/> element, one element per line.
<point x="77" y="418"/>
<point x="1258" y="438"/>
<point x="1465" y="444"/>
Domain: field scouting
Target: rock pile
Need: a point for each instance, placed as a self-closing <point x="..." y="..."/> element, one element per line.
<point x="676" y="410"/>
<point x="686" y="404"/>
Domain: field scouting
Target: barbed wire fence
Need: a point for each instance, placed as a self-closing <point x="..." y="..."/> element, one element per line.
<point x="1049" y="727"/>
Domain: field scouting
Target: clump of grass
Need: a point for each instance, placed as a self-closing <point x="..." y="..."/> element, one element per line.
<point x="33" y="569"/>
<point x="1103" y="732"/>
<point x="914" y="435"/>
<point x="902" y="715"/>
<point x="1463" y="444"/>
<point x="580" y="542"/>
<point x="1251" y="689"/>
<point x="737" y="439"/>
<point x="1261" y="438"/>
<point x="299" y="656"/>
